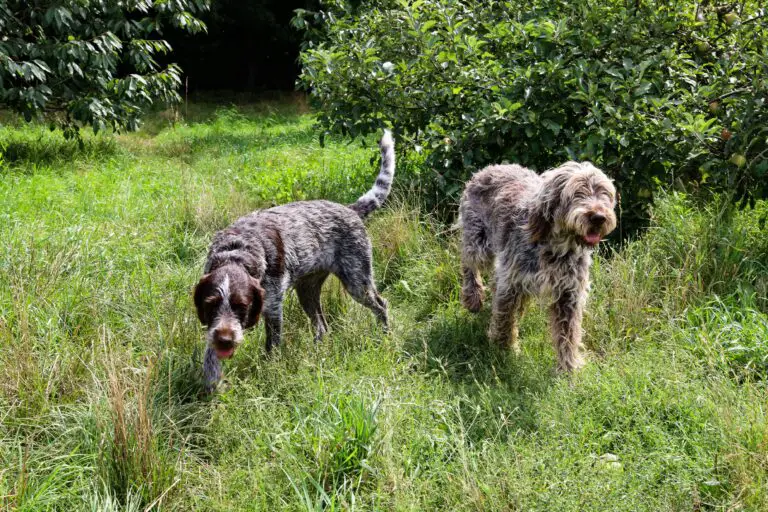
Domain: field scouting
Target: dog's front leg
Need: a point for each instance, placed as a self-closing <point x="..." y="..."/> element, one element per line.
<point x="507" y="308"/>
<point x="273" y="323"/>
<point x="565" y="323"/>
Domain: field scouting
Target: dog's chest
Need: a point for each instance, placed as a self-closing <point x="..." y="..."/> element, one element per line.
<point x="552" y="273"/>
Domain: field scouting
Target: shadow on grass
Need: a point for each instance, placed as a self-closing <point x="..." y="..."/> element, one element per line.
<point x="179" y="380"/>
<point x="492" y="379"/>
<point x="206" y="114"/>
<point x="204" y="107"/>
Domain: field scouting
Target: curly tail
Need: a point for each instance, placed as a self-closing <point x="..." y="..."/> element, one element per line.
<point x="374" y="198"/>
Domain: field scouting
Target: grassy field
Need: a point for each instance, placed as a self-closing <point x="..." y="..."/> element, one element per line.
<point x="100" y="387"/>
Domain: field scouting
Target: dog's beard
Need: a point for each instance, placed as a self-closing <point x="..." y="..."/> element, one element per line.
<point x="577" y="222"/>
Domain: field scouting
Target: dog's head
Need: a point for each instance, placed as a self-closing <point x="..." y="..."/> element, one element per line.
<point x="576" y="201"/>
<point x="228" y="301"/>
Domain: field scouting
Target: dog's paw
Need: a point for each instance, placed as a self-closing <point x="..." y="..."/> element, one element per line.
<point x="573" y="364"/>
<point x="499" y="338"/>
<point x="473" y="301"/>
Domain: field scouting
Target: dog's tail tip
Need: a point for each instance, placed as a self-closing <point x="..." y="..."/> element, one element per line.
<point x="386" y="139"/>
<point x="375" y="197"/>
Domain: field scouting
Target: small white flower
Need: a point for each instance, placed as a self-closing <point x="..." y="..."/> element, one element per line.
<point x="388" y="67"/>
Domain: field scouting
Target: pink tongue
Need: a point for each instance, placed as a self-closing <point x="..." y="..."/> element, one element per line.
<point x="224" y="353"/>
<point x="592" y="238"/>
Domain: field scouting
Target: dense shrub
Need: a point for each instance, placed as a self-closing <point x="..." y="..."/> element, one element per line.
<point x="654" y="92"/>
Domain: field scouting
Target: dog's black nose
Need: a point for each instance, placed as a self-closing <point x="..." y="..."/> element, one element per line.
<point x="597" y="219"/>
<point x="224" y="337"/>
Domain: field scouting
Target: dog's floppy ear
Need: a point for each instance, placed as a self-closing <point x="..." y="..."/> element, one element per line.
<point x="547" y="201"/>
<point x="257" y="303"/>
<point x="203" y="290"/>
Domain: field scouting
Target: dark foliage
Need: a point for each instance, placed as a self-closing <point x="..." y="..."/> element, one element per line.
<point x="80" y="63"/>
<point x="249" y="47"/>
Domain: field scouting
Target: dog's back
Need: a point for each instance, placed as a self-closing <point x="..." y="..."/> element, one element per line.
<point x="298" y="238"/>
<point x="498" y="193"/>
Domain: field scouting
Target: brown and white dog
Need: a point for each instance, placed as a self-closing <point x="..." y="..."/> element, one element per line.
<point x="253" y="263"/>
<point x="539" y="231"/>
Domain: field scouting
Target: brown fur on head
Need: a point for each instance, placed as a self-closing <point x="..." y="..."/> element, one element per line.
<point x="228" y="301"/>
<point x="576" y="200"/>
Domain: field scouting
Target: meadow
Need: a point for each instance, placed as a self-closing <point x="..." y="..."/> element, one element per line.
<point x="101" y="403"/>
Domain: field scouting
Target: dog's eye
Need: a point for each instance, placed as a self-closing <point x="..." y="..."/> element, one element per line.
<point x="212" y="300"/>
<point x="239" y="307"/>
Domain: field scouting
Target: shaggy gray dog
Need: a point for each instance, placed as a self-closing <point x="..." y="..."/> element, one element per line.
<point x="257" y="259"/>
<point x="540" y="230"/>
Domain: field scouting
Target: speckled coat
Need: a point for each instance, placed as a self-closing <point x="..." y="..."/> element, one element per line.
<point x="260" y="256"/>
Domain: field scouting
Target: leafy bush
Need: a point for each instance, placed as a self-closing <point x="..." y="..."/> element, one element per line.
<point x="90" y="63"/>
<point x="654" y="92"/>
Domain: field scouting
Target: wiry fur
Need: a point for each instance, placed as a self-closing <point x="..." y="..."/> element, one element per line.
<point x="253" y="263"/>
<point x="540" y="231"/>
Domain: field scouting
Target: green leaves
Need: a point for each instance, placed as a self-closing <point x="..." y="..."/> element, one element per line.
<point x="540" y="82"/>
<point x="90" y="63"/>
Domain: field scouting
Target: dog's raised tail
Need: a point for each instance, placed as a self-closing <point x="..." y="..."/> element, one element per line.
<point x="374" y="198"/>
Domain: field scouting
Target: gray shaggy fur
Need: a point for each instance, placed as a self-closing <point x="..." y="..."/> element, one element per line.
<point x="539" y="231"/>
<point x="253" y="263"/>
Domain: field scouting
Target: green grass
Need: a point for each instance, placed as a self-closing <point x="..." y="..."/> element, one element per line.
<point x="100" y="394"/>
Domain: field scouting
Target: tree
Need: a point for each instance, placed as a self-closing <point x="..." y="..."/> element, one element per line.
<point x="90" y="62"/>
<point x="655" y="92"/>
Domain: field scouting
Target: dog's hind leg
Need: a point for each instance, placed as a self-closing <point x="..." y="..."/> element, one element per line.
<point x="354" y="269"/>
<point x="367" y="295"/>
<point x="308" y="290"/>
<point x="359" y="283"/>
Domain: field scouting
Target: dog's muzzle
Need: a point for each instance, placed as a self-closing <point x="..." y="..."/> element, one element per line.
<point x="224" y="342"/>
<point x="595" y="230"/>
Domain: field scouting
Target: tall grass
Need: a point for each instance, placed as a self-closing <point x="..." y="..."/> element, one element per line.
<point x="101" y="404"/>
